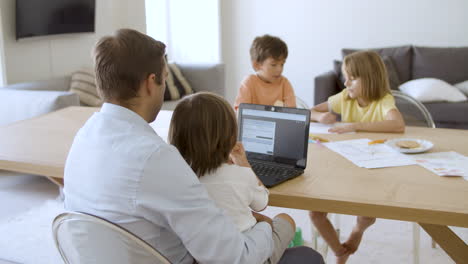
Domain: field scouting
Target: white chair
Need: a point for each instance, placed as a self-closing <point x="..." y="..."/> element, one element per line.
<point x="301" y="104"/>
<point x="415" y="114"/>
<point x="84" y="238"/>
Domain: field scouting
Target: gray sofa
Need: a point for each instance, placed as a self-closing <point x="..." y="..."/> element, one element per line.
<point x="26" y="100"/>
<point x="413" y="62"/>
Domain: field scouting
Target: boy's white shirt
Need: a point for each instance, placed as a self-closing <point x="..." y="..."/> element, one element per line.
<point x="235" y="189"/>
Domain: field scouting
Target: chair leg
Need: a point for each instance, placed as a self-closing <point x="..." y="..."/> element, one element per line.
<point x="315" y="234"/>
<point x="416" y="239"/>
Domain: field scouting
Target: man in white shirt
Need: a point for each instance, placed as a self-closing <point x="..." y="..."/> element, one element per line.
<point x="118" y="168"/>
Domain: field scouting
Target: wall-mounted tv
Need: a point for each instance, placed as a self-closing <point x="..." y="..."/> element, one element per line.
<point x="50" y="17"/>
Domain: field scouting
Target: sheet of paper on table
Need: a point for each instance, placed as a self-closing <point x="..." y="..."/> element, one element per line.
<point x="359" y="152"/>
<point x="444" y="163"/>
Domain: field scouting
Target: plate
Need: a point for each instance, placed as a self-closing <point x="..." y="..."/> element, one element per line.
<point x="424" y="145"/>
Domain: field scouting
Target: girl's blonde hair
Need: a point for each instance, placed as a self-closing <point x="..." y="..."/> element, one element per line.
<point x="204" y="130"/>
<point x="369" y="67"/>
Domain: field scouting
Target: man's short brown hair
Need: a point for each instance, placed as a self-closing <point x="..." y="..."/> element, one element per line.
<point x="123" y="61"/>
<point x="204" y="130"/>
<point x="267" y="46"/>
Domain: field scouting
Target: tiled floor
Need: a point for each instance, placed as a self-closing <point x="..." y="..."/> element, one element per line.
<point x="30" y="202"/>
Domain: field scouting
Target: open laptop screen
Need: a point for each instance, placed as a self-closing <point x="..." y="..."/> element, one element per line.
<point x="271" y="133"/>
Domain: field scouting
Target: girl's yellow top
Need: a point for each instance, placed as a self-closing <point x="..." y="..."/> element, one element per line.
<point x="351" y="111"/>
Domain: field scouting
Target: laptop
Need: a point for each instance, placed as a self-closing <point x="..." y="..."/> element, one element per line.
<point x="275" y="140"/>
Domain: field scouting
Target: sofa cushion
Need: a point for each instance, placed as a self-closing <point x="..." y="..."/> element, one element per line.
<point x="448" y="112"/>
<point x="448" y="64"/>
<point x="393" y="77"/>
<point x="401" y="56"/>
<point x="337" y="69"/>
<point x="83" y="83"/>
<point x="176" y="84"/>
<point x="463" y="87"/>
<point x="55" y="84"/>
<point x="432" y="90"/>
<point x="18" y="105"/>
<point x="205" y="77"/>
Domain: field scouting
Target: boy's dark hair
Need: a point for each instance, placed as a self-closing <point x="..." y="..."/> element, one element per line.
<point x="124" y="60"/>
<point x="204" y="130"/>
<point x="267" y="46"/>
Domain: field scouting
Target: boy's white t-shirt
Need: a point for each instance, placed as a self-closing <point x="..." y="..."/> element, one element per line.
<point x="235" y="189"/>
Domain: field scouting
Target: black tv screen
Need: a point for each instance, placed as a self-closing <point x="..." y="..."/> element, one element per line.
<point x="49" y="17"/>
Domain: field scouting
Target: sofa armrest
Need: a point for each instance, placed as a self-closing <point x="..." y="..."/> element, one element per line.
<point x="326" y="85"/>
<point x="18" y="105"/>
<point x="55" y="84"/>
<point x="205" y="77"/>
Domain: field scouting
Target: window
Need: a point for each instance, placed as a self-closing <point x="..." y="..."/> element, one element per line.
<point x="2" y="56"/>
<point x="190" y="29"/>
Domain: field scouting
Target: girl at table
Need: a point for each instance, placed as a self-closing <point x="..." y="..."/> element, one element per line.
<point x="366" y="105"/>
<point x="204" y="130"/>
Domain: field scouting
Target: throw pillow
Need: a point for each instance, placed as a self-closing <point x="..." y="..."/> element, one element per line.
<point x="463" y="87"/>
<point x="392" y="73"/>
<point x="176" y="84"/>
<point x="83" y="83"/>
<point x="432" y="90"/>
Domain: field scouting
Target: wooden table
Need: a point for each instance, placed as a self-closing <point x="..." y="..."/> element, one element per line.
<point x="330" y="183"/>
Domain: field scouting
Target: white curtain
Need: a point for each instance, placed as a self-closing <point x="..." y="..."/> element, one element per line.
<point x="190" y="29"/>
<point x="3" y="80"/>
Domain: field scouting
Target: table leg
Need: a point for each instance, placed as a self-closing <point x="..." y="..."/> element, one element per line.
<point x="456" y="248"/>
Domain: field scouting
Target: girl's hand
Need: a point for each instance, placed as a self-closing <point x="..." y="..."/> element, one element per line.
<point x="343" y="129"/>
<point x="238" y="156"/>
<point x="327" y="118"/>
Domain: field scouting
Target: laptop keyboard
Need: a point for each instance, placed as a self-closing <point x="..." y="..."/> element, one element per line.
<point x="276" y="172"/>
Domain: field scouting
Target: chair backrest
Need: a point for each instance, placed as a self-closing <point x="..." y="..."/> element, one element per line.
<point x="301" y="104"/>
<point x="84" y="238"/>
<point x="414" y="112"/>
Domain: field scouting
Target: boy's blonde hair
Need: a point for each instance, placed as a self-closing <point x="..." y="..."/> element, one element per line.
<point x="266" y="46"/>
<point x="369" y="67"/>
<point x="204" y="130"/>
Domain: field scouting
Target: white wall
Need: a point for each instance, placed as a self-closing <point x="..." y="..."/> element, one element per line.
<point x="45" y="57"/>
<point x="315" y="32"/>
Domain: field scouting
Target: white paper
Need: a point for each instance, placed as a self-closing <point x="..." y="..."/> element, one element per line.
<point x="319" y="128"/>
<point x="359" y="152"/>
<point x="444" y="163"/>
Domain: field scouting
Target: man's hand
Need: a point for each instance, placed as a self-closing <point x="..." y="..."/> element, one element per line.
<point x="238" y="156"/>
<point x="343" y="128"/>
<point x="327" y="118"/>
<point x="262" y="218"/>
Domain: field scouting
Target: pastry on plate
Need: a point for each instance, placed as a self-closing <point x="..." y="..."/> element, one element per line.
<point x="408" y="144"/>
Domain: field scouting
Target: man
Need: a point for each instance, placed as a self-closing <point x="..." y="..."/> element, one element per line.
<point x="118" y="168"/>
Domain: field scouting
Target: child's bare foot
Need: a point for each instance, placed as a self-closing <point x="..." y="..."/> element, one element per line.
<point x="353" y="241"/>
